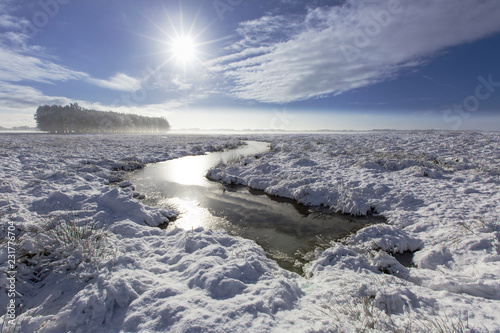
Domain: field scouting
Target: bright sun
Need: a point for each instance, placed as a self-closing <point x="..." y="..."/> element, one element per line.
<point x="183" y="49"/>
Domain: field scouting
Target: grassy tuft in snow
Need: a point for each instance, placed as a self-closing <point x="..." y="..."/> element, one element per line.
<point x="15" y="327"/>
<point x="363" y="314"/>
<point x="63" y="244"/>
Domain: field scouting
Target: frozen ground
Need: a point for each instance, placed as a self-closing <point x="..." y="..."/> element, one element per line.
<point x="439" y="191"/>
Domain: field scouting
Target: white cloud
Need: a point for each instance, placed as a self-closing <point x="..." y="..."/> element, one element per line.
<point x="13" y="97"/>
<point x="18" y="104"/>
<point x="180" y="84"/>
<point x="13" y="38"/>
<point x="20" y="63"/>
<point x="15" y="67"/>
<point x="266" y="31"/>
<point x="239" y="55"/>
<point x="346" y="47"/>
<point x="119" y="81"/>
<point x="11" y="22"/>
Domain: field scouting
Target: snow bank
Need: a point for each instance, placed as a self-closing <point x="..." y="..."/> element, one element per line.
<point x="439" y="192"/>
<point x="177" y="281"/>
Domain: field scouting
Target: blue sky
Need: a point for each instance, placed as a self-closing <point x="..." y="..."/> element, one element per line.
<point x="242" y="64"/>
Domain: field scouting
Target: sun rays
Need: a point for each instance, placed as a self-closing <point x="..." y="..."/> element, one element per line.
<point x="183" y="45"/>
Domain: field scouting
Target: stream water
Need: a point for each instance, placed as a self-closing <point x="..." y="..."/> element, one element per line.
<point x="282" y="227"/>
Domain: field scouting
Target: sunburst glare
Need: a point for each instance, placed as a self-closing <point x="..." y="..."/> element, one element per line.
<point x="185" y="46"/>
<point x="183" y="49"/>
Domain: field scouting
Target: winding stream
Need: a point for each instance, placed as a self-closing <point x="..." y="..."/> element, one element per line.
<point x="281" y="226"/>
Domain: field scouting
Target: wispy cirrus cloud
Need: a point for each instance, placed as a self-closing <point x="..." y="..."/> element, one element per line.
<point x="16" y="66"/>
<point x="180" y="84"/>
<point x="20" y="61"/>
<point x="12" y="22"/>
<point x="119" y="81"/>
<point x="18" y="103"/>
<point x="359" y="43"/>
<point x="20" y="97"/>
<point x="20" y="64"/>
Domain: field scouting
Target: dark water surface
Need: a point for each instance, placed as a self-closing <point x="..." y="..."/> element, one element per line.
<point x="281" y="226"/>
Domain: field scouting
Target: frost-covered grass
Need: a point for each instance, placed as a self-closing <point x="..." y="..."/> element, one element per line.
<point x="64" y="244"/>
<point x="366" y="316"/>
<point x="91" y="260"/>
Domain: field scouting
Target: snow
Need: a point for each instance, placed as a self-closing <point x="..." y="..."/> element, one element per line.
<point x="438" y="190"/>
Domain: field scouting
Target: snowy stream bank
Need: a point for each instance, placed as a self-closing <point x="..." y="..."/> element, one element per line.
<point x="285" y="229"/>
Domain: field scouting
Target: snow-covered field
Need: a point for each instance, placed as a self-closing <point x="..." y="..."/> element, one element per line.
<point x="438" y="190"/>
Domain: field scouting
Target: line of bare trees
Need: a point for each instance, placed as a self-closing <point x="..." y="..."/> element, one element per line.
<point x="76" y="119"/>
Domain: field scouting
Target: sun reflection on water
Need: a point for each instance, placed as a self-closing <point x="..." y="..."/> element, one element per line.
<point x="192" y="215"/>
<point x="186" y="171"/>
<point x="191" y="170"/>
